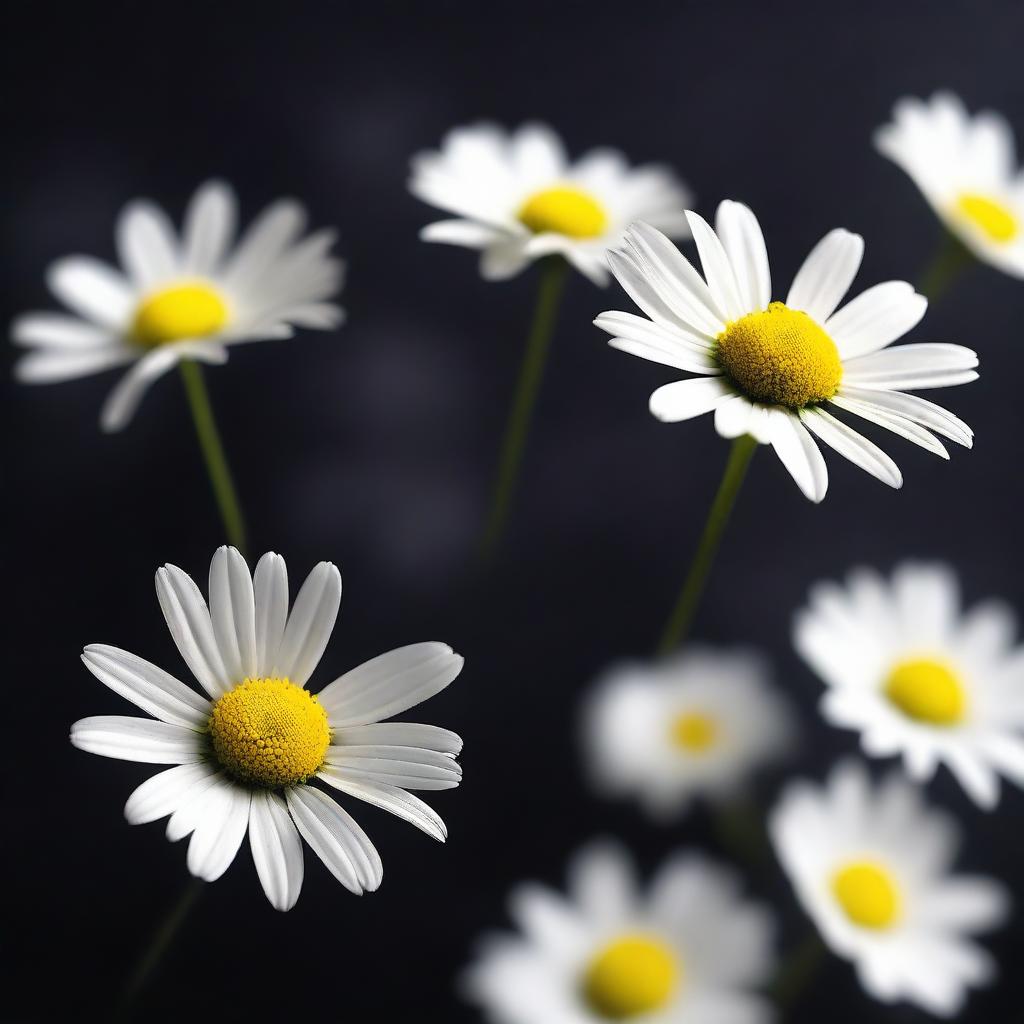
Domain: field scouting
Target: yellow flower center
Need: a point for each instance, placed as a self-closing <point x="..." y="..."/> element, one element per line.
<point x="179" y="312"/>
<point x="694" y="732"/>
<point x="565" y="210"/>
<point x="993" y="218"/>
<point x="269" y="732"/>
<point x="927" y="690"/>
<point x="780" y="356"/>
<point x="631" y="976"/>
<point x="868" y="894"/>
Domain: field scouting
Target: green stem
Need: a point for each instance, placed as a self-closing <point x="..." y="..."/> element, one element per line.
<point x="154" y="953"/>
<point x="681" y="619"/>
<point x="552" y="281"/>
<point x="213" y="453"/>
<point x="796" y="972"/>
<point x="950" y="260"/>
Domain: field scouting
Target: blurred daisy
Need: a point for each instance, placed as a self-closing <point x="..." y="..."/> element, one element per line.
<point x="871" y="869"/>
<point x="774" y="370"/>
<point x="697" y="724"/>
<point x="247" y="754"/>
<point x="180" y="299"/>
<point x="916" y="676"/>
<point x="688" y="951"/>
<point x="517" y="197"/>
<point x="966" y="169"/>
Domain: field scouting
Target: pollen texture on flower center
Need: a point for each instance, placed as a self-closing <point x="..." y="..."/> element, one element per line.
<point x="630" y="977"/>
<point x="780" y="356"/>
<point x="180" y="312"/>
<point x="867" y="894"/>
<point x="269" y="732"/>
<point x="564" y="210"/>
<point x="926" y="690"/>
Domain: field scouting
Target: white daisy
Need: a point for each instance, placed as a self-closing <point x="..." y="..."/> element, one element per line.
<point x="247" y="754"/>
<point x="180" y="299"/>
<point x="915" y="676"/>
<point x="871" y="869"/>
<point x="697" y="724"/>
<point x="688" y="951"/>
<point x="966" y="169"/>
<point x="517" y="197"/>
<point x="771" y="369"/>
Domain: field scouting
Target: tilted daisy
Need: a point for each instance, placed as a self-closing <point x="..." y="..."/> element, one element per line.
<point x="689" y="950"/>
<point x="696" y="724"/>
<point x="777" y="371"/>
<point x="916" y="676"/>
<point x="871" y="867"/>
<point x="248" y="753"/>
<point x="517" y="197"/>
<point x="966" y="169"/>
<point x="184" y="298"/>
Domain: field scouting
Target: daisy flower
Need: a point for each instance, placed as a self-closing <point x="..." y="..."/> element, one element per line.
<point x="916" y="676"/>
<point x="180" y="299"/>
<point x="775" y="370"/>
<point x="966" y="169"/>
<point x="516" y="197"/>
<point x="248" y="751"/>
<point x="689" y="950"/>
<point x="697" y="724"/>
<point x="871" y="867"/>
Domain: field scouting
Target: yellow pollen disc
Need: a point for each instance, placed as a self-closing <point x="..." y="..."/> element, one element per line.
<point x="780" y="356"/>
<point x="565" y="210"/>
<point x="182" y="311"/>
<point x="868" y="894"/>
<point x="631" y="976"/>
<point x="269" y="732"/>
<point x="993" y="218"/>
<point x="927" y="690"/>
<point x="694" y="732"/>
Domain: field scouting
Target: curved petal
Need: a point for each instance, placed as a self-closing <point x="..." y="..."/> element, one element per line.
<point x="913" y="367"/>
<point x="266" y="239"/>
<point x="220" y="827"/>
<point x="826" y="274"/>
<point x="875" y="318"/>
<point x="402" y="734"/>
<point x="685" y="399"/>
<point x="137" y="739"/>
<point x="59" y="331"/>
<point x="310" y="624"/>
<point x="276" y="849"/>
<point x="270" y="591"/>
<point x="743" y="241"/>
<point x="209" y="227"/>
<point x="915" y="408"/>
<point x="93" y="289"/>
<point x="407" y="767"/>
<point x="900" y="425"/>
<point x="853" y="446"/>
<point x="162" y="794"/>
<point x="389" y="798"/>
<point x="147" y="244"/>
<point x="799" y="454"/>
<point x="467" y="233"/>
<point x="50" y="366"/>
<point x="717" y="268"/>
<point x="659" y="343"/>
<point x="233" y="613"/>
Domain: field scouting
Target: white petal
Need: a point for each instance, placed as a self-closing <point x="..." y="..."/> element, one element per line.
<point x="335" y="837"/>
<point x="913" y="367"/>
<point x="192" y="803"/>
<point x="684" y="399"/>
<point x="188" y="619"/>
<point x="263" y="243"/>
<point x="467" y="233"/>
<point x="826" y="274"/>
<point x="403" y="734"/>
<point x="270" y="586"/>
<point x="310" y="624"/>
<point x="209" y="228"/>
<point x="157" y="692"/>
<point x="389" y="684"/>
<point x="220" y="827"/>
<point x="147" y="244"/>
<point x="717" y="268"/>
<point x="389" y="798"/>
<point x="732" y="417"/>
<point x="50" y="366"/>
<point x="232" y="611"/>
<point x="743" y="240"/>
<point x="406" y="767"/>
<point x="503" y="260"/>
<point x="799" y="454"/>
<point x="93" y="290"/>
<point x="136" y="739"/>
<point x="59" y="331"/>
<point x="891" y="421"/>
<point x="276" y="849"/>
<point x="915" y="408"/>
<point x="875" y="318"/>
<point x="162" y="794"/>
<point x="977" y="778"/>
<point x="853" y="446"/>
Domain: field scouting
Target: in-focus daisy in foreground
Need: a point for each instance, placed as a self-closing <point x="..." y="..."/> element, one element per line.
<point x="871" y="868"/>
<point x="697" y="724"/>
<point x="180" y="299"/>
<point x="966" y="169"/>
<point x="247" y="753"/>
<point x="918" y="677"/>
<point x="517" y="197"/>
<point x="688" y="951"/>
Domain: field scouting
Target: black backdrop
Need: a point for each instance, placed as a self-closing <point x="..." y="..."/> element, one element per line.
<point x="372" y="446"/>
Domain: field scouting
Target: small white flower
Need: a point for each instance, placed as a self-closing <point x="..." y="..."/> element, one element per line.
<point x="688" y="951"/>
<point x="772" y="369"/>
<point x="917" y="677"/>
<point x="247" y="753"/>
<point x="177" y="299"/>
<point x="518" y="198"/>
<point x="697" y="724"/>
<point x="965" y="167"/>
<point x="871" y="869"/>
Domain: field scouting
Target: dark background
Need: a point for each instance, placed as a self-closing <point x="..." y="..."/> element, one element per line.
<point x="373" y="447"/>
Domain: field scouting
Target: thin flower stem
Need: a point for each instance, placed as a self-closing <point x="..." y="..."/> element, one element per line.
<point x="154" y="953"/>
<point x="553" y="274"/>
<point x="796" y="972"/>
<point x="950" y="260"/>
<point x="213" y="453"/>
<point x="681" y="619"/>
